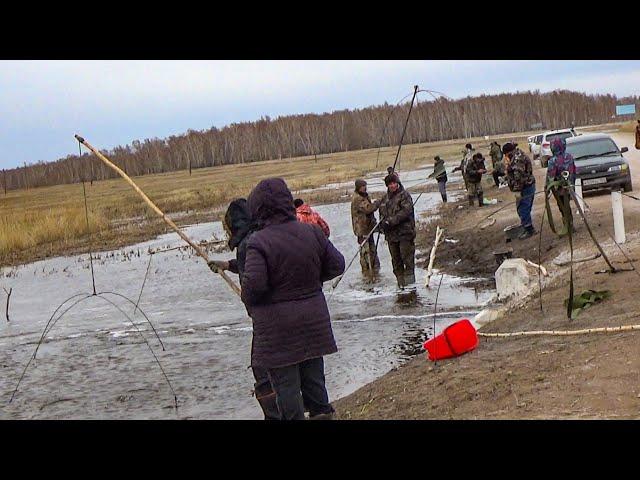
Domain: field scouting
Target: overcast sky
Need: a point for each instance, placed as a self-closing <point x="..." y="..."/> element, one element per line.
<point x="43" y="103"/>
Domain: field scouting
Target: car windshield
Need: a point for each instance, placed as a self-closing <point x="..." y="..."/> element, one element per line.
<point x="593" y="148"/>
<point x="553" y="136"/>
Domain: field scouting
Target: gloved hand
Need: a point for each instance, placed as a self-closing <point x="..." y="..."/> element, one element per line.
<point x="384" y="226"/>
<point x="218" y="265"/>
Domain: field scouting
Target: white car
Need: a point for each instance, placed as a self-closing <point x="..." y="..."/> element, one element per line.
<point x="534" y="145"/>
<point x="545" y="145"/>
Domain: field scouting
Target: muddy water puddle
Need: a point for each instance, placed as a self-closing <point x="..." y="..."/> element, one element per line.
<point x="95" y="364"/>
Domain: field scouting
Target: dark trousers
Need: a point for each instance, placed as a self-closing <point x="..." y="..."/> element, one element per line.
<point x="524" y="205"/>
<point x="442" y="186"/>
<point x="496" y="175"/>
<point x="403" y="260"/>
<point x="299" y="386"/>
<point x="265" y="394"/>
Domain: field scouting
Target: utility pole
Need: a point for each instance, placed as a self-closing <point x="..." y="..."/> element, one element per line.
<point x="4" y="175"/>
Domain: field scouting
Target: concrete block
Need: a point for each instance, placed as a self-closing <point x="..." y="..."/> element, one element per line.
<point x="515" y="277"/>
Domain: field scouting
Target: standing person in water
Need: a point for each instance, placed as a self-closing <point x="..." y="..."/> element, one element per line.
<point x="440" y="174"/>
<point x="306" y="214"/>
<point x="399" y="227"/>
<point x="237" y="224"/>
<point x="287" y="262"/>
<point x="363" y="221"/>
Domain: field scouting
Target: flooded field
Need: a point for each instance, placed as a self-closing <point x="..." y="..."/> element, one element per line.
<point x="95" y="364"/>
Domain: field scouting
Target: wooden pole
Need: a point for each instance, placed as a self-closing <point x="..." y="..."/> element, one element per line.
<point x="439" y="232"/>
<point x="585" y="331"/>
<point x="153" y="206"/>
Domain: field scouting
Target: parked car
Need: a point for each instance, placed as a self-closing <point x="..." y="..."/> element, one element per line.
<point x="545" y="145"/>
<point x="599" y="162"/>
<point x="534" y="145"/>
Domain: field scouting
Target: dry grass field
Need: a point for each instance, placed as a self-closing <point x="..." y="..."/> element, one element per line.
<point x="41" y="222"/>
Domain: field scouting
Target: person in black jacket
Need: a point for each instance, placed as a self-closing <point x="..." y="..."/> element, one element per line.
<point x="237" y="224"/>
<point x="286" y="265"/>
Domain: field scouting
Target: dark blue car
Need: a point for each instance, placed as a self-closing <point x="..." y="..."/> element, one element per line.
<point x="599" y="162"/>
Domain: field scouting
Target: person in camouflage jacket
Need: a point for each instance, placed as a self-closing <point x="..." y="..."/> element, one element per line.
<point x="363" y="220"/>
<point x="475" y="169"/>
<point x="467" y="156"/>
<point x="520" y="179"/>
<point x="399" y="226"/>
<point x="496" y="162"/>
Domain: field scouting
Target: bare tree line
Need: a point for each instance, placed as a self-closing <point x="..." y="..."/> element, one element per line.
<point x="312" y="134"/>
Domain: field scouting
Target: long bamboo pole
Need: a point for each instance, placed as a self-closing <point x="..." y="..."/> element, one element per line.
<point x="153" y="206"/>
<point x="623" y="328"/>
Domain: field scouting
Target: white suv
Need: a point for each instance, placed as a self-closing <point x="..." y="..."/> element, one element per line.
<point x="534" y="145"/>
<point x="545" y="146"/>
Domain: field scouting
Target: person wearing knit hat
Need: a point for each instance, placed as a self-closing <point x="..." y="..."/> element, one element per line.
<point x="390" y="170"/>
<point x="363" y="220"/>
<point x="474" y="171"/>
<point x="520" y="179"/>
<point x="399" y="227"/>
<point x="392" y="177"/>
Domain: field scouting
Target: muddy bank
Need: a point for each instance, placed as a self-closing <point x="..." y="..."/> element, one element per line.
<point x="586" y="376"/>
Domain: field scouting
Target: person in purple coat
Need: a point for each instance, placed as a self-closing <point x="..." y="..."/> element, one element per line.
<point x="286" y="263"/>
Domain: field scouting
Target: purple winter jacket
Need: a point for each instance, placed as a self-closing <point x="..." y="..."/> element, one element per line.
<point x="287" y="261"/>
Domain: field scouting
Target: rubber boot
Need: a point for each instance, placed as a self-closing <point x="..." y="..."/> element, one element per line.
<point x="409" y="278"/>
<point x="267" y="399"/>
<point x="444" y="198"/>
<point x="528" y="232"/>
<point x="470" y="200"/>
<point x="480" y="200"/>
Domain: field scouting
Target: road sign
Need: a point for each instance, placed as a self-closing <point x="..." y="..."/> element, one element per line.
<point x="626" y="109"/>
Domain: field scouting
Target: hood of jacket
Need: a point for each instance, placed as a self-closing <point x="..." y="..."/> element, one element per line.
<point x="270" y="203"/>
<point x="558" y="146"/>
<point x="238" y="221"/>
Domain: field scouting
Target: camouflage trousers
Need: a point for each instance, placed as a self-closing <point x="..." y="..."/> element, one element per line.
<point x="369" y="255"/>
<point x="474" y="189"/>
<point x="403" y="260"/>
